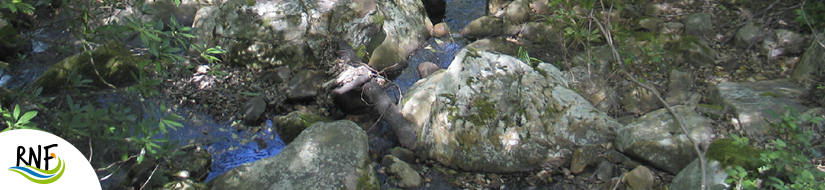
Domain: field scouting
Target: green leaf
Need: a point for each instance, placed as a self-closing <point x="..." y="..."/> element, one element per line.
<point x="16" y="112"/>
<point x="27" y="117"/>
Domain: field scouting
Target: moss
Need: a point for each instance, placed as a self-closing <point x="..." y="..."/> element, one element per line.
<point x="485" y="112"/>
<point x="770" y="94"/>
<point x="729" y="154"/>
<point x="367" y="178"/>
<point x="113" y="62"/>
<point x="711" y="106"/>
<point x="361" y="51"/>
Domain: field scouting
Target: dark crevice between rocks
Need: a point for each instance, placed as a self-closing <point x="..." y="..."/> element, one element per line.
<point x="435" y="9"/>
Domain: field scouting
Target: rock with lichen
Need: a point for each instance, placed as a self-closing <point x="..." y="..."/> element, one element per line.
<point x="493" y="113"/>
<point x="328" y="155"/>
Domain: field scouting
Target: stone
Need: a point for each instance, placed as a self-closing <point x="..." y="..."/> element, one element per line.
<point x="115" y="64"/>
<point x="637" y="99"/>
<point x="407" y="27"/>
<point x="293" y="124"/>
<point x="517" y="11"/>
<point x="640" y="178"/>
<point x="406" y="176"/>
<point x="583" y="157"/>
<point x="672" y="28"/>
<point x="541" y="32"/>
<point x="657" y="138"/>
<point x="679" y="88"/>
<point x="691" y="176"/>
<point x="196" y="162"/>
<point x="404" y="154"/>
<point x="782" y="42"/>
<point x="541" y="7"/>
<point x="331" y="155"/>
<point x="606" y="170"/>
<point x="593" y="88"/>
<point x="440" y="30"/>
<point x="185" y="184"/>
<point x="427" y="68"/>
<point x="653" y="9"/>
<point x="487" y="26"/>
<point x="748" y="35"/>
<point x="700" y="25"/>
<point x="811" y="63"/>
<point x="252" y="110"/>
<point x="304" y="85"/>
<point x="490" y="112"/>
<point x="275" y="76"/>
<point x="749" y="102"/>
<point x="650" y="23"/>
<point x="695" y="51"/>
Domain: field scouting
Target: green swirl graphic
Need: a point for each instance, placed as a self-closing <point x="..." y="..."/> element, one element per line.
<point x="60" y="167"/>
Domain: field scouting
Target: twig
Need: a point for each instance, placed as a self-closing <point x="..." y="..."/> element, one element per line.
<point x="150" y="177"/>
<point x="91" y="152"/>
<point x="118" y="162"/>
<point x="92" y="61"/>
<point x="679" y="119"/>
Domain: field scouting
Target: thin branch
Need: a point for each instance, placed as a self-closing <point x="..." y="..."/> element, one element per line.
<point x="680" y="121"/>
<point x="150" y="177"/>
<point x="118" y="162"/>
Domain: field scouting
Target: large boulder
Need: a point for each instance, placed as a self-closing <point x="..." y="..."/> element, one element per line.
<point x="749" y="101"/>
<point x="112" y="63"/>
<point x="406" y="24"/>
<point x="330" y="155"/>
<point x="493" y="113"/>
<point x="657" y="138"/>
<point x="812" y="62"/>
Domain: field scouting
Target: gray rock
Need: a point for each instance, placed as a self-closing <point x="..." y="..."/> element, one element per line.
<point x="700" y="25"/>
<point x="293" y="124"/>
<point x="811" y="62"/>
<point x="637" y="99"/>
<point x="427" y="68"/>
<point x="490" y="26"/>
<point x="491" y="112"/>
<point x="653" y="9"/>
<point x="517" y="11"/>
<point x="275" y="76"/>
<point x="639" y="178"/>
<point x="541" y="32"/>
<point x="679" y="89"/>
<point x="657" y="138"/>
<point x="691" y="176"/>
<point x="330" y="155"/>
<point x="650" y="23"/>
<point x="782" y="42"/>
<point x="196" y="162"/>
<point x="606" y="170"/>
<point x="404" y="154"/>
<point x="748" y="35"/>
<point x="407" y="27"/>
<point x="406" y="176"/>
<point x="749" y="101"/>
<point x="252" y="110"/>
<point x="695" y="51"/>
<point x="583" y="157"/>
<point x="672" y="28"/>
<point x="304" y="85"/>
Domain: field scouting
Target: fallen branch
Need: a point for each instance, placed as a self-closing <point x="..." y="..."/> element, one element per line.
<point x="385" y="106"/>
<point x="609" y="38"/>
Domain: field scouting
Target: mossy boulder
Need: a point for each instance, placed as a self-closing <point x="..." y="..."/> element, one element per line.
<point x="490" y="112"/>
<point x="695" y="51"/>
<point x="292" y="124"/>
<point x="328" y="155"/>
<point x="113" y="62"/>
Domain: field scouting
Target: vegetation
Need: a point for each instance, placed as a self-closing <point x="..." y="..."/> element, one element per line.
<point x="132" y="130"/>
<point x="787" y="162"/>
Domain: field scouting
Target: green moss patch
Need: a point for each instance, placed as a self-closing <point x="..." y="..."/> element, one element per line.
<point x="730" y="154"/>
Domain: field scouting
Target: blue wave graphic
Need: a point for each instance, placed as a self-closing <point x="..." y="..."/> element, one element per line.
<point x="31" y="172"/>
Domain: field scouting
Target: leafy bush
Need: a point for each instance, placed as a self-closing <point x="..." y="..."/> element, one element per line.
<point x="811" y="15"/>
<point x="787" y="161"/>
